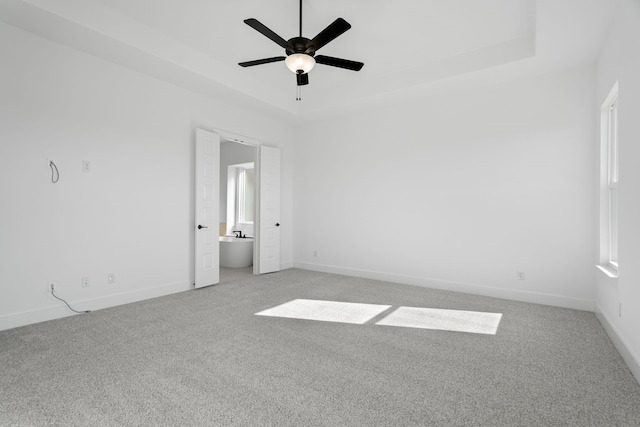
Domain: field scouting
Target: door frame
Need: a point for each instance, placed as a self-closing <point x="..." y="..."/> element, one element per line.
<point x="255" y="143"/>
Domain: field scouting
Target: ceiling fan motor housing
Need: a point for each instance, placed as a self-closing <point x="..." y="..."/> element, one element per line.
<point x="300" y="45"/>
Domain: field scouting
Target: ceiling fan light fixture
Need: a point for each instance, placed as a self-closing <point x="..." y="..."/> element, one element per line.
<point x="300" y="61"/>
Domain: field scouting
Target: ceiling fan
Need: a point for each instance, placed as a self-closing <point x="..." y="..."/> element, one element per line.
<point x="301" y="51"/>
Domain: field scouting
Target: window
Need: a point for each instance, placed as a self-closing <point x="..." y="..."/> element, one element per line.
<point x="241" y="198"/>
<point x="609" y="187"/>
<point x="246" y="186"/>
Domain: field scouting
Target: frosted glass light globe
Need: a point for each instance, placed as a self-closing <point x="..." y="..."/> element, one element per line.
<point x="300" y="61"/>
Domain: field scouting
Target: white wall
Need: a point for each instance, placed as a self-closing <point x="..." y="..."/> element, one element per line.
<point x="132" y="215"/>
<point x="458" y="191"/>
<point x="620" y="60"/>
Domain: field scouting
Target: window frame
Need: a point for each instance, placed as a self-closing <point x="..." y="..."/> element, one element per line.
<point x="241" y="199"/>
<point x="609" y="199"/>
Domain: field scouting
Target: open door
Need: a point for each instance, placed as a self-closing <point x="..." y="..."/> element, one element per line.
<point x="207" y="208"/>
<point x="268" y="235"/>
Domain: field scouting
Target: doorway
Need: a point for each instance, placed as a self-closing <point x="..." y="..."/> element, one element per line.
<point x="208" y="225"/>
<point x="237" y="199"/>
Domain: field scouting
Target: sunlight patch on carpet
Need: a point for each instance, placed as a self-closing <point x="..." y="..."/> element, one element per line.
<point x="446" y="320"/>
<point x="326" y="311"/>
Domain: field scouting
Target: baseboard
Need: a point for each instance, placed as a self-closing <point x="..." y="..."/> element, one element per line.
<point x="286" y="265"/>
<point x="632" y="360"/>
<point x="59" y="310"/>
<point x="470" y="288"/>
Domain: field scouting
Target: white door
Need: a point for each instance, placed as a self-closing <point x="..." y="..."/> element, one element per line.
<point x="207" y="208"/>
<point x="269" y="210"/>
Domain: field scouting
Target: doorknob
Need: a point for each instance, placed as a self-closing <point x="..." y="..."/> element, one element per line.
<point x="277" y="224"/>
<point x="201" y="227"/>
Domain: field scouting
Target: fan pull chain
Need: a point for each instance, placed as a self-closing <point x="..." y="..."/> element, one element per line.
<point x="298" y="93"/>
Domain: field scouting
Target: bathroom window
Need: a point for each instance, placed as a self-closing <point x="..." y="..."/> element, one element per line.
<point x="246" y="195"/>
<point x="241" y="198"/>
<point x="609" y="184"/>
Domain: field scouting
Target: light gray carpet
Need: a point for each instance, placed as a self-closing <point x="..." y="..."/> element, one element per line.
<point x="203" y="358"/>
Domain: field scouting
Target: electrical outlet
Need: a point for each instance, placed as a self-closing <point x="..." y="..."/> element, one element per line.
<point x="85" y="282"/>
<point x="51" y="286"/>
<point x="315" y="254"/>
<point x="86" y="166"/>
<point x="520" y="275"/>
<point x="111" y="278"/>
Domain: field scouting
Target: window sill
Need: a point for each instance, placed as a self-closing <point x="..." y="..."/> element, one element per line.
<point x="608" y="270"/>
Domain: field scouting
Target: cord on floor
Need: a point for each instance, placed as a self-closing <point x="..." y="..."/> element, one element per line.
<point x="75" y="311"/>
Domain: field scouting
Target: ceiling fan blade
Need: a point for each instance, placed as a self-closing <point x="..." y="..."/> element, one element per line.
<point x="334" y="29"/>
<point x="262" y="61"/>
<point x="303" y="79"/>
<point x="339" y="62"/>
<point x="261" y="28"/>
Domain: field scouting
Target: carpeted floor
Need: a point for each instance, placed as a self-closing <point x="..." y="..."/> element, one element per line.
<point x="203" y="358"/>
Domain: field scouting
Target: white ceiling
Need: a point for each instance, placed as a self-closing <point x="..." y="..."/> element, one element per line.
<point x="406" y="45"/>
